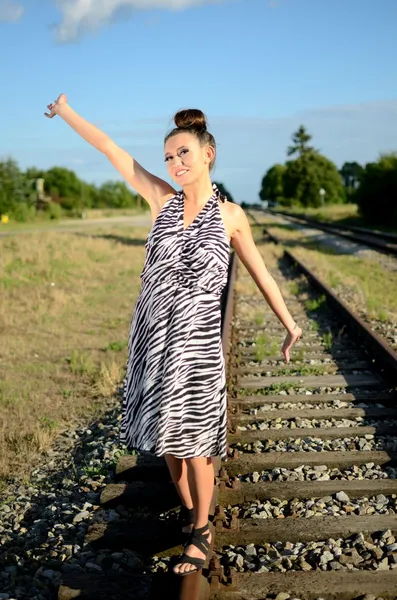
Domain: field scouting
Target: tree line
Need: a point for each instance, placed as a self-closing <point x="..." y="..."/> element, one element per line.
<point x="64" y="194"/>
<point x="309" y="179"/>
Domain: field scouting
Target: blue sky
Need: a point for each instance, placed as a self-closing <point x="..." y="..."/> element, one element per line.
<point x="257" y="68"/>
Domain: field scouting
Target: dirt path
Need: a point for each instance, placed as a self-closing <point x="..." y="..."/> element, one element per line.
<point x="143" y="220"/>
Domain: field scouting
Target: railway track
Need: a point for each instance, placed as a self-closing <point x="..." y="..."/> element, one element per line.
<point x="385" y="242"/>
<point x="305" y="506"/>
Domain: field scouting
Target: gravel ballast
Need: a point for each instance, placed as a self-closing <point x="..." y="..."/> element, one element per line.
<point x="43" y="524"/>
<point x="322" y="473"/>
<point x="305" y="423"/>
<point x="337" y="505"/>
<point x="313" y="444"/>
<point x="375" y="552"/>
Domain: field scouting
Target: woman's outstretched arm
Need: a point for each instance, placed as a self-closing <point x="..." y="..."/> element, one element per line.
<point x="244" y="244"/>
<point x="150" y="187"/>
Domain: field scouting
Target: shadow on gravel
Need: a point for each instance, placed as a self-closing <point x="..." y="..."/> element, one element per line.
<point x="73" y="531"/>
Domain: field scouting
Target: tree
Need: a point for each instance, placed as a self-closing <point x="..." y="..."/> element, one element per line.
<point x="224" y="191"/>
<point x="307" y="175"/>
<point x="351" y="173"/>
<point x="273" y="184"/>
<point x="310" y="172"/>
<point x="90" y="195"/>
<point x="12" y="186"/>
<point x="377" y="192"/>
<point x="115" y="194"/>
<point x="300" y="140"/>
<point x="64" y="187"/>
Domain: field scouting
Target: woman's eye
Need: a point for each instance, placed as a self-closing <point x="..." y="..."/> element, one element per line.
<point x="167" y="158"/>
<point x="182" y="151"/>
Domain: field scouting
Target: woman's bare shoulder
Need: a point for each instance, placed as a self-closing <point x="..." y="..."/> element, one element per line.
<point x="230" y="212"/>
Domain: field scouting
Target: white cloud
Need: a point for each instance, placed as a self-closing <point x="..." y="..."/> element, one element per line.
<point x="81" y="15"/>
<point x="10" y="11"/>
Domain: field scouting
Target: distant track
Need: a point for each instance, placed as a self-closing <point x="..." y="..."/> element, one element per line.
<point x="385" y="242"/>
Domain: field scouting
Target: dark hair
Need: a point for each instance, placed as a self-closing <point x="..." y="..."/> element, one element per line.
<point x="193" y="121"/>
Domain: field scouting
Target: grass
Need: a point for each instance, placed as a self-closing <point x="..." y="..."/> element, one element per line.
<point x="303" y="370"/>
<point x="333" y="212"/>
<point x="370" y="287"/>
<point x="264" y="350"/>
<point x="66" y="302"/>
<point x="327" y="339"/>
<point x="105" y="213"/>
<point x="313" y="304"/>
<point x="294" y="288"/>
<point x="273" y="389"/>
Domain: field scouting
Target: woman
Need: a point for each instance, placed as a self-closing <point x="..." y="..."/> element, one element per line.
<point x="175" y="390"/>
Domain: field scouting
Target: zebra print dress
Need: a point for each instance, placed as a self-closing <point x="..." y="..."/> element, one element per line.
<point x="174" y="397"/>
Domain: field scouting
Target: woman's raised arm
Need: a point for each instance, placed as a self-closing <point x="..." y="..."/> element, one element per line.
<point x="150" y="187"/>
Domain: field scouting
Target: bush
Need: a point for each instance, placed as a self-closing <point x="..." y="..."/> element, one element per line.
<point x="22" y="212"/>
<point x="377" y="193"/>
<point x="54" y="210"/>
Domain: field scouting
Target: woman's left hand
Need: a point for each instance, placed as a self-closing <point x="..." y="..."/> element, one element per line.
<point x="291" y="337"/>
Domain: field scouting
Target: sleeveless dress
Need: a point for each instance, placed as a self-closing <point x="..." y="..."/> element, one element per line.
<point x="174" y="398"/>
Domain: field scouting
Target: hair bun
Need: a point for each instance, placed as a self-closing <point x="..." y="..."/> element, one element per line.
<point x="191" y="118"/>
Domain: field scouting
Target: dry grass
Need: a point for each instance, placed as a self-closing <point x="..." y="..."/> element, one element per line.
<point x="65" y="307"/>
<point x="368" y="286"/>
<point x="101" y="213"/>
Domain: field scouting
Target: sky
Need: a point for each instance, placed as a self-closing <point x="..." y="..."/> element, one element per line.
<point x="257" y="68"/>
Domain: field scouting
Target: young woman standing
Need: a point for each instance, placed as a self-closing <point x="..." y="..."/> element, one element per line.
<point x="174" y="401"/>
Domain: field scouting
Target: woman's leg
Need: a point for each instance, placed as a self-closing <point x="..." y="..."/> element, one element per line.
<point x="200" y="473"/>
<point x="178" y="471"/>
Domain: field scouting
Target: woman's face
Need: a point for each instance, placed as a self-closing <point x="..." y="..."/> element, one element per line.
<point x="186" y="159"/>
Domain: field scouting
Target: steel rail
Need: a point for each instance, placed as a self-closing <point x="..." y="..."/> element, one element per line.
<point x="386" y="243"/>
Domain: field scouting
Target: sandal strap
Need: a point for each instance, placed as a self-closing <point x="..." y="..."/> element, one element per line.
<point x="200" y="530"/>
<point x="199" y="538"/>
<point x="191" y="560"/>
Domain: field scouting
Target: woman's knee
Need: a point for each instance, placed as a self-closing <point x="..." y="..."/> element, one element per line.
<point x="199" y="462"/>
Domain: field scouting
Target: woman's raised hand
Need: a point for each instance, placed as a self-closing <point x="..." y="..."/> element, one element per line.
<point x="54" y="106"/>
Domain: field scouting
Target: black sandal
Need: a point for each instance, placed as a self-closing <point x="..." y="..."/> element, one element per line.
<point x="198" y="539"/>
